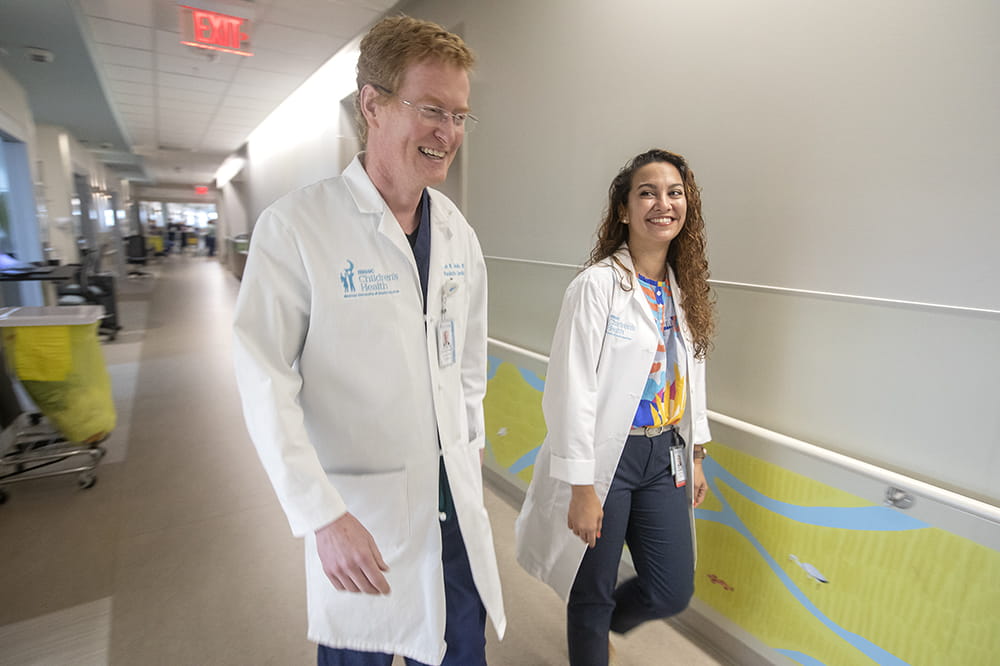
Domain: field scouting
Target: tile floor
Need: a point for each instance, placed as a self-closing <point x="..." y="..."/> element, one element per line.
<point x="180" y="554"/>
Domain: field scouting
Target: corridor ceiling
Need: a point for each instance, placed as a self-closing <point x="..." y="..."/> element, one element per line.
<point x="152" y="109"/>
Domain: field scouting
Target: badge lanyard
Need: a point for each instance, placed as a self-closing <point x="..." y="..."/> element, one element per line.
<point x="677" y="465"/>
<point x="446" y="327"/>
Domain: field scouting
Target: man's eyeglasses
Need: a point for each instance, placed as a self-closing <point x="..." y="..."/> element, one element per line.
<point x="435" y="116"/>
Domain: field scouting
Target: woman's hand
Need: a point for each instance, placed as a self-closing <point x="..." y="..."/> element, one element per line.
<point x="585" y="514"/>
<point x="700" y="487"/>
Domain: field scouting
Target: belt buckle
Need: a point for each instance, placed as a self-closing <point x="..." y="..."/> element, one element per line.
<point x="654" y="431"/>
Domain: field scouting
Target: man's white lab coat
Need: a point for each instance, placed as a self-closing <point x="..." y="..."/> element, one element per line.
<point x="344" y="397"/>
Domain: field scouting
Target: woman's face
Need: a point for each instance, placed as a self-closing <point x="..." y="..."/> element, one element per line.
<point x="657" y="206"/>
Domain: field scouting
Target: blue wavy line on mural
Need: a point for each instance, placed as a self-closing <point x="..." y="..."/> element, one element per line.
<point x="713" y="472"/>
<point x="525" y="461"/>
<point x="801" y="658"/>
<point x="492" y="364"/>
<point x="534" y="381"/>
<point x="875" y="518"/>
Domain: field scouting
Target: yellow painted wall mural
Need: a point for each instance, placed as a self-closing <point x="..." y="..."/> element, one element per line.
<point x="819" y="575"/>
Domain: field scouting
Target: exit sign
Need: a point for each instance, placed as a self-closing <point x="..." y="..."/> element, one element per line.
<point x="214" y="31"/>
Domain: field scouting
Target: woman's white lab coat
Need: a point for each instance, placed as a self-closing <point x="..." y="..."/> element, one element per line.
<point x="344" y="397"/>
<point x="602" y="352"/>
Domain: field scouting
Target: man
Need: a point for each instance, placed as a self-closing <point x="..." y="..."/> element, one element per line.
<point x="360" y="348"/>
<point x="210" y="238"/>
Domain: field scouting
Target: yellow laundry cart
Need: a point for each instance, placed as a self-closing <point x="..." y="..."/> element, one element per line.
<point x="55" y="355"/>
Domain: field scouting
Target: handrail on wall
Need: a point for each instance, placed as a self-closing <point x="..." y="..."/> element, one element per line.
<point x="789" y="290"/>
<point x="949" y="498"/>
<point x="893" y="479"/>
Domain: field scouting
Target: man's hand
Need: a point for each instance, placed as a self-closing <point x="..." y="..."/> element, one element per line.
<point x="350" y="558"/>
<point x="585" y="514"/>
<point x="700" y="485"/>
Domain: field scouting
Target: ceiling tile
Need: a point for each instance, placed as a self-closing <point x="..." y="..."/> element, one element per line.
<point x="192" y="66"/>
<point x="124" y="73"/>
<point x="285" y="63"/>
<point x="131" y="11"/>
<point x="138" y="121"/>
<point x="262" y="79"/>
<point x="275" y="94"/>
<point x="223" y="127"/>
<point x="129" y="88"/>
<point x="191" y="83"/>
<point x="170" y="104"/>
<point x="298" y="42"/>
<point x="194" y="96"/>
<point x="249" y="103"/>
<point x="120" y="55"/>
<point x="133" y="99"/>
<point x="330" y="18"/>
<point x="241" y="116"/>
<point x="117" y="33"/>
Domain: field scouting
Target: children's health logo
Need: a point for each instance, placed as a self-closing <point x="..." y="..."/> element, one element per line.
<point x="619" y="328"/>
<point x="358" y="282"/>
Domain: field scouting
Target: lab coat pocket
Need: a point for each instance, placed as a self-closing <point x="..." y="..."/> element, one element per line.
<point x="378" y="501"/>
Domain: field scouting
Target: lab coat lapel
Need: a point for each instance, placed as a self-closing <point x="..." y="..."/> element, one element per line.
<point x="440" y="239"/>
<point x="368" y="200"/>
<point x="675" y="291"/>
<point x="638" y="297"/>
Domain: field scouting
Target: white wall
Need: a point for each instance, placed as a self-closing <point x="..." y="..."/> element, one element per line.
<point x="18" y="126"/>
<point x="54" y="172"/>
<point x="842" y="147"/>
<point x="233" y="216"/>
<point x="60" y="156"/>
<point x="15" y="114"/>
<point x="309" y="137"/>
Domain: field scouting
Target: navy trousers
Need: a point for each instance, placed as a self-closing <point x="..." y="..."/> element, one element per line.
<point x="465" y="624"/>
<point x="646" y="510"/>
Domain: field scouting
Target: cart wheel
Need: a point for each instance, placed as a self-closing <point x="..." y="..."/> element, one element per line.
<point x="87" y="481"/>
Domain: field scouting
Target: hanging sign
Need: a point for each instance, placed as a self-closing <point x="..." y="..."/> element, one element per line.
<point x="205" y="29"/>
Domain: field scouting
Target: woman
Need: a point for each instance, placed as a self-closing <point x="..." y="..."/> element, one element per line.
<point x="624" y="395"/>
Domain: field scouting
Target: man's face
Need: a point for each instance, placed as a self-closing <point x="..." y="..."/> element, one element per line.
<point x="416" y="152"/>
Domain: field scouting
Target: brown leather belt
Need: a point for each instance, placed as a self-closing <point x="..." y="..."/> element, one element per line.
<point x="650" y="431"/>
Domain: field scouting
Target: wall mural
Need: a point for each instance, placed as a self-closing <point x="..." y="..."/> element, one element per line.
<point x="818" y="574"/>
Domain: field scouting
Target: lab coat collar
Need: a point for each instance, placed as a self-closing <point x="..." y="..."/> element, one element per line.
<point x="368" y="200"/>
<point x="366" y="196"/>
<point x="639" y="297"/>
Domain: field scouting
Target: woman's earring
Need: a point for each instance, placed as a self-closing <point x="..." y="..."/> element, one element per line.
<point x="625" y="220"/>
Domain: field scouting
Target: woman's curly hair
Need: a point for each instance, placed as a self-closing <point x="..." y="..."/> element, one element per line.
<point x="687" y="251"/>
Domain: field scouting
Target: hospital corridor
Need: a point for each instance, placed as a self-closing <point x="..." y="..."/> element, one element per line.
<point x="180" y="553"/>
<point x="699" y="300"/>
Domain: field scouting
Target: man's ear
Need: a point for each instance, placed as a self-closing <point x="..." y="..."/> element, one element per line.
<point x="369" y="108"/>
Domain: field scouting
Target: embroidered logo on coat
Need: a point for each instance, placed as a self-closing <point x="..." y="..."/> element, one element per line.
<point x="358" y="282"/>
<point x="619" y="328"/>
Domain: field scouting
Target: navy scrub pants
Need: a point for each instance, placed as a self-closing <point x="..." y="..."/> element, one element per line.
<point x="465" y="623"/>
<point x="646" y="510"/>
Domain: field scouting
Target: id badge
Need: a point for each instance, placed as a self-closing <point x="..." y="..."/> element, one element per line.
<point x="446" y="342"/>
<point x="677" y="466"/>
